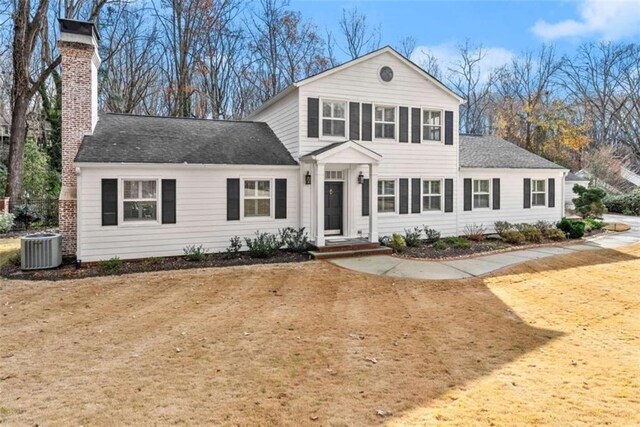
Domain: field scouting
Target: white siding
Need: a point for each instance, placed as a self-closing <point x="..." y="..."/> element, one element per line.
<point x="569" y="195"/>
<point x="200" y="211"/>
<point x="511" y="198"/>
<point x="282" y="118"/>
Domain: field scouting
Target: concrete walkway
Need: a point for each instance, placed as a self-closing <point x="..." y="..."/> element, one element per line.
<point x="484" y="264"/>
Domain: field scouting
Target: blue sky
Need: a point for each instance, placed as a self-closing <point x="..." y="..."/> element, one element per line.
<point x="504" y="27"/>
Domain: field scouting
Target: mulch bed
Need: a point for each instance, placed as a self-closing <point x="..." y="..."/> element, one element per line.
<point x="69" y="271"/>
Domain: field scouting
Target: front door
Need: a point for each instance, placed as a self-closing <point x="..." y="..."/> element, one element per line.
<point x="332" y="208"/>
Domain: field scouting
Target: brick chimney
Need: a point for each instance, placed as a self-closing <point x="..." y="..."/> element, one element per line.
<point x="78" y="46"/>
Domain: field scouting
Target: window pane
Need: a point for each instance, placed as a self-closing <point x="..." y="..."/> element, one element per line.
<point x="389" y="114"/>
<point x="379" y="131"/>
<point x="379" y="114"/>
<point x="338" y="127"/>
<point x="386" y="204"/>
<point x="538" y="199"/>
<point x="389" y="130"/>
<point x="139" y="211"/>
<point x="249" y="188"/>
<point x="435" y="118"/>
<point x="131" y="189"/>
<point x="148" y="189"/>
<point x="435" y="187"/>
<point x="538" y="185"/>
<point x="389" y="187"/>
<point x="481" y="186"/>
<point x="338" y="110"/>
<point x="263" y="188"/>
<point x="431" y="203"/>
<point x="326" y="109"/>
<point x="481" y="201"/>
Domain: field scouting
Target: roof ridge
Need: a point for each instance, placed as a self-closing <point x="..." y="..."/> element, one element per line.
<point x="154" y="116"/>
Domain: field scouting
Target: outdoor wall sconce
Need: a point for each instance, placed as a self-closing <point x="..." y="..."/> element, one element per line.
<point x="307" y="178"/>
<point x="360" y="178"/>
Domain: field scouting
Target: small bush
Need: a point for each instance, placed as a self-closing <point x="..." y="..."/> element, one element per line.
<point x="26" y="216"/>
<point x="264" y="245"/>
<point x="15" y="259"/>
<point x="556" y="234"/>
<point x="522" y="227"/>
<point x="111" y="265"/>
<point x="153" y="260"/>
<point x="474" y="232"/>
<point x="502" y="226"/>
<point x="195" y="253"/>
<point x="589" y="201"/>
<point x="413" y="237"/>
<point x="397" y="242"/>
<point x="572" y="229"/>
<point x="233" y="250"/>
<point x="457" y="242"/>
<point x="533" y="235"/>
<point x="439" y="245"/>
<point x="594" y="224"/>
<point x="295" y="239"/>
<point x="431" y="235"/>
<point x="6" y="222"/>
<point x="513" y="237"/>
<point x="544" y="227"/>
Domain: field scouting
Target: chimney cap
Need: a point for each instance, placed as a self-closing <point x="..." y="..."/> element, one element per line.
<point x="83" y="28"/>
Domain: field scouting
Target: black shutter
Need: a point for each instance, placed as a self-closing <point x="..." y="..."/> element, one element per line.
<point x="415" y="195"/>
<point x="496" y="193"/>
<point x="448" y="195"/>
<point x="366" y="122"/>
<point x="552" y="192"/>
<point x="527" y="194"/>
<point x="281" y="198"/>
<point x="448" y="128"/>
<point x="109" y="202"/>
<point x="233" y="199"/>
<point x="468" y="195"/>
<point x="415" y="126"/>
<point x="404" y="196"/>
<point x="354" y="121"/>
<point x="313" y="117"/>
<point x="168" y="201"/>
<point x="404" y="124"/>
<point x="365" y="197"/>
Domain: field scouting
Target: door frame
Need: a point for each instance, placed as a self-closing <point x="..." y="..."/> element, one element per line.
<point x="340" y="232"/>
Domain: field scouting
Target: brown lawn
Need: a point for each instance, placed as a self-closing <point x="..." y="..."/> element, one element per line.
<point x="555" y="341"/>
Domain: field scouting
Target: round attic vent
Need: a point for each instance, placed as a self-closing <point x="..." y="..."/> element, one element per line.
<point x="386" y="74"/>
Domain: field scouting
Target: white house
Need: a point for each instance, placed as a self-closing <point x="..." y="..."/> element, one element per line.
<point x="365" y="149"/>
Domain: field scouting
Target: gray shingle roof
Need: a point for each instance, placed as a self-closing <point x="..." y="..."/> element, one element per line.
<point x="493" y="152"/>
<point x="573" y="177"/>
<point x="123" y="138"/>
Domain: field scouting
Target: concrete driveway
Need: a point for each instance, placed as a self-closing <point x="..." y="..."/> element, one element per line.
<point x="463" y="268"/>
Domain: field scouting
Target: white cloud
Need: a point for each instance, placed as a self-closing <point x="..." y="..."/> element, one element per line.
<point x="447" y="55"/>
<point x="605" y="19"/>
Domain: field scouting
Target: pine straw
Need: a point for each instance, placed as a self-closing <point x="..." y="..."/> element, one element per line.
<point x="284" y="344"/>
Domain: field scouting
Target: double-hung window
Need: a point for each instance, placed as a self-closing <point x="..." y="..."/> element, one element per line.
<point x="480" y="193"/>
<point x="386" y="195"/>
<point x="257" y="197"/>
<point x="538" y="192"/>
<point x="333" y="118"/>
<point x="431" y="125"/>
<point x="140" y="200"/>
<point x="431" y="195"/>
<point x="385" y="121"/>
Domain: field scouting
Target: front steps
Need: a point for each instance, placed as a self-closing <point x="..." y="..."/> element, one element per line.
<point x="347" y="248"/>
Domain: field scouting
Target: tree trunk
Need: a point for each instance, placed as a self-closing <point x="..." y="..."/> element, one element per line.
<point x="16" y="146"/>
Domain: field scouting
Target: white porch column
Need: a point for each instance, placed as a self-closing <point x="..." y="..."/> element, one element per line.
<point x="319" y="183"/>
<point x="373" y="203"/>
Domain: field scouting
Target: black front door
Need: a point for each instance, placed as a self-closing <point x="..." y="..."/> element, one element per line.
<point x="332" y="208"/>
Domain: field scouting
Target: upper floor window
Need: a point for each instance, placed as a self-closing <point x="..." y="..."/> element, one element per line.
<point x="140" y="200"/>
<point x="431" y="125"/>
<point x="385" y="119"/>
<point x="538" y="192"/>
<point x="257" y="197"/>
<point x="480" y="193"/>
<point x="386" y="195"/>
<point x="431" y="195"/>
<point x="333" y="118"/>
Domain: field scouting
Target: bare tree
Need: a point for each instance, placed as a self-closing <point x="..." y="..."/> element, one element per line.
<point x="360" y="37"/>
<point x="406" y="46"/>
<point x="430" y="64"/>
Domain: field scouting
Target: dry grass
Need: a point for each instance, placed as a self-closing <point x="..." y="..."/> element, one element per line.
<point x="555" y="341"/>
<point x="8" y="248"/>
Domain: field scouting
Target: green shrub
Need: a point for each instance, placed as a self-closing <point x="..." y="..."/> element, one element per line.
<point x="111" y="265"/>
<point x="6" y="222"/>
<point x="233" y="250"/>
<point x="397" y="242"/>
<point x="573" y="229"/>
<point x="594" y="224"/>
<point x="474" y="232"/>
<point x="533" y="235"/>
<point x="556" y="234"/>
<point x="513" y="237"/>
<point x="295" y="239"/>
<point x="431" y="235"/>
<point x="502" y="226"/>
<point x="627" y="204"/>
<point x="439" y="245"/>
<point x="264" y="245"/>
<point x="195" y="253"/>
<point x="457" y="242"/>
<point x="589" y="201"/>
<point x="413" y="237"/>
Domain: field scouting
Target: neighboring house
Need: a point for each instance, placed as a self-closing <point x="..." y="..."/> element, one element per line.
<point x="569" y="182"/>
<point x="5" y="131"/>
<point x="621" y="182"/>
<point x="365" y="149"/>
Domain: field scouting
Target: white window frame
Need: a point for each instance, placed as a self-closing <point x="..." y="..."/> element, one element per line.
<point x="395" y="123"/>
<point x="122" y="200"/>
<point x="395" y="196"/>
<point x="345" y="119"/>
<point x="480" y="193"/>
<point x="423" y="195"/>
<point x="423" y="124"/>
<point x="243" y="197"/>
<point x="533" y="192"/>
